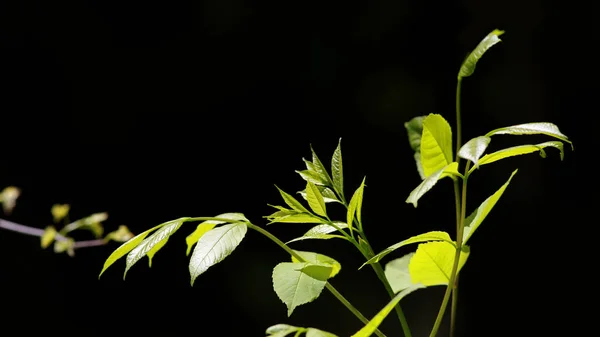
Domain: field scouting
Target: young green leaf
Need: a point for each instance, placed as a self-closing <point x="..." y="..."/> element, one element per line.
<point x="295" y="218"/>
<point x="322" y="232"/>
<point x="474" y="149"/>
<point x="541" y="128"/>
<point x="433" y="261"/>
<point x="320" y="168"/>
<point x="207" y="225"/>
<point x="519" y="150"/>
<point x="328" y="194"/>
<point x="475" y="219"/>
<point x="468" y="66"/>
<point x="436" y="144"/>
<point x="127" y="247"/>
<point x="292" y="202"/>
<point x="154" y="250"/>
<point x="319" y="259"/>
<point x="214" y="246"/>
<point x="397" y="274"/>
<point x="67" y="245"/>
<point x="355" y="206"/>
<point x="450" y="170"/>
<point x="48" y="236"/>
<point x="59" y="212"/>
<point x="337" y="170"/>
<point x="282" y="330"/>
<point x="153" y="240"/>
<point x="299" y="283"/>
<point x="312" y="332"/>
<point x="122" y="234"/>
<point x="414" y="128"/>
<point x="313" y="177"/>
<point x="426" y="237"/>
<point x="374" y="323"/>
<point x="315" y="199"/>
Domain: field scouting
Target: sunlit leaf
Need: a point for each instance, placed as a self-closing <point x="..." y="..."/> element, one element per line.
<point x="414" y="128"/>
<point x="122" y="234"/>
<point x="8" y="198"/>
<point x="313" y="177"/>
<point x="155" y="249"/>
<point x="296" y="218"/>
<point x="436" y="144"/>
<point x="320" y="259"/>
<point x="205" y="226"/>
<point x="397" y="274"/>
<point x="292" y="202"/>
<point x="519" y="150"/>
<point x="425" y="237"/>
<point x="214" y="246"/>
<point x="162" y="234"/>
<point x="59" y="211"/>
<point x="322" y="232"/>
<point x="337" y="169"/>
<point x="320" y="168"/>
<point x="328" y="194"/>
<point x="541" y="128"/>
<point x="468" y="66"/>
<point x="299" y="283"/>
<point x="474" y="149"/>
<point x="475" y="219"/>
<point x="127" y="247"/>
<point x="355" y="206"/>
<point x="447" y="171"/>
<point x="48" y="236"/>
<point x="312" y="332"/>
<point x="374" y="323"/>
<point x="433" y="261"/>
<point x="282" y="330"/>
<point x="315" y="199"/>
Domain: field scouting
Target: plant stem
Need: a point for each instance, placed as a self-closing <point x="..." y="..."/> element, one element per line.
<point x="381" y="275"/>
<point x="33" y="231"/>
<point x="454" y="273"/>
<point x="328" y="285"/>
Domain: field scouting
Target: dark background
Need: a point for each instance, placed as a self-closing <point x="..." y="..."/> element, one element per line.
<point x="157" y="110"/>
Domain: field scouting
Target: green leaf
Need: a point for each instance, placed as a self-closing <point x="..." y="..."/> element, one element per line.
<point x="337" y="170"/>
<point x="374" y="323"/>
<point x="292" y="202"/>
<point x="436" y="144"/>
<point x="214" y="246"/>
<point x="299" y="283"/>
<point x="328" y="195"/>
<point x="313" y="177"/>
<point x="127" y="247"/>
<point x="474" y="149"/>
<point x="322" y="232"/>
<point x="320" y="168"/>
<point x="320" y="259"/>
<point x="447" y="171"/>
<point x="205" y="226"/>
<point x="154" y="250"/>
<point x="67" y="245"/>
<point x="414" y="128"/>
<point x="122" y="234"/>
<point x="153" y="240"/>
<point x="541" y="128"/>
<point x="315" y="199"/>
<point x="296" y="218"/>
<point x="433" y="261"/>
<point x="397" y="274"/>
<point x="59" y="211"/>
<point x="430" y="236"/>
<point x="312" y="332"/>
<point x="355" y="206"/>
<point x="519" y="150"/>
<point x="477" y="217"/>
<point x="468" y="66"/>
<point x="282" y="330"/>
<point x="48" y="237"/>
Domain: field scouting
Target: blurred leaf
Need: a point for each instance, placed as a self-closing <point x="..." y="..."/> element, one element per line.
<point x="414" y="128"/>
<point x="8" y="198"/>
<point x="448" y="171"/>
<point x="468" y="66"/>
<point x="91" y="223"/>
<point x="433" y="261"/>
<point x="282" y="330"/>
<point x="476" y="218"/>
<point x="67" y="245"/>
<point x="425" y="237"/>
<point x="542" y="128"/>
<point x="214" y="246"/>
<point x="436" y="144"/>
<point x="60" y="211"/>
<point x="122" y="234"/>
<point x="474" y="149"/>
<point x="48" y="236"/>
<point x="397" y="273"/>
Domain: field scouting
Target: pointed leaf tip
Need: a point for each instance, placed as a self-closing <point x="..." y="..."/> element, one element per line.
<point x="468" y="66"/>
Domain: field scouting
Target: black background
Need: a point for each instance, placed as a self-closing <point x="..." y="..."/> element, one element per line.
<point x="153" y="111"/>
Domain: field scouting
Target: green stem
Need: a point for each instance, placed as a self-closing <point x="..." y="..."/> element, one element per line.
<point x="453" y="307"/>
<point x="454" y="273"/>
<point x="328" y="285"/>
